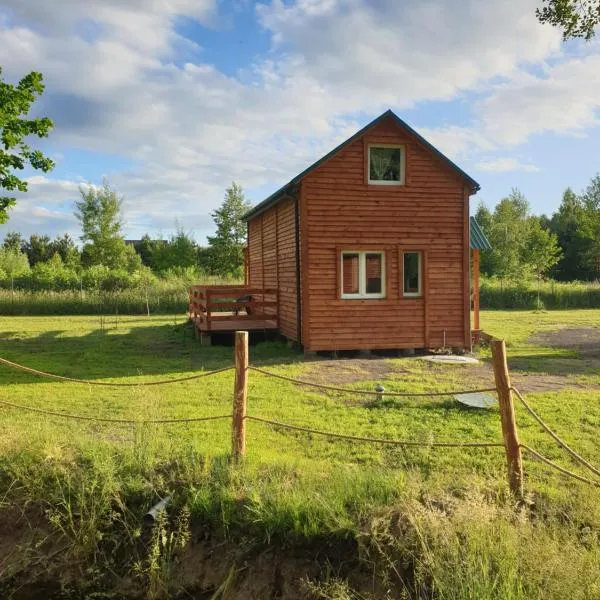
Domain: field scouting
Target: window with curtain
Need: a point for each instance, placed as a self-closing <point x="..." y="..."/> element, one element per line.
<point x="386" y="165"/>
<point x="363" y="274"/>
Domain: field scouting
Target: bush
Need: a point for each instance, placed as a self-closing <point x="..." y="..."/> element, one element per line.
<point x="550" y="295"/>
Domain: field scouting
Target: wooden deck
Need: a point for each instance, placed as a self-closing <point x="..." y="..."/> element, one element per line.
<point x="223" y="309"/>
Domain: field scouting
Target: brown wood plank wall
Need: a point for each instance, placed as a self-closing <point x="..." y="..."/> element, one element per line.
<point x="341" y="210"/>
<point x="272" y="259"/>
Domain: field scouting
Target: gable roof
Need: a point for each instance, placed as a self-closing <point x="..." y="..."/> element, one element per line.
<point x="288" y="187"/>
<point x="478" y="239"/>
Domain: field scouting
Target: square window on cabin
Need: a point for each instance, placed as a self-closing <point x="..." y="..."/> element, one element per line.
<point x="412" y="273"/>
<point x="363" y="275"/>
<point x="386" y="165"/>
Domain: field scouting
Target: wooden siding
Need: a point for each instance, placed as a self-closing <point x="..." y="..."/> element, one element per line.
<point x="429" y="213"/>
<point x="272" y="259"/>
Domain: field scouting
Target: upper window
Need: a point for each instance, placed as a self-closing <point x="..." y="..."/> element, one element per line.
<point x="363" y="274"/>
<point x="412" y="274"/>
<point x="386" y="165"/>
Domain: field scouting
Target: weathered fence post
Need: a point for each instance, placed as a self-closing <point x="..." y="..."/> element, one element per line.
<point x="507" y="416"/>
<point x="240" y="398"/>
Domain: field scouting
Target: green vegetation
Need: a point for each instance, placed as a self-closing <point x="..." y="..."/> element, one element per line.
<point x="575" y="18"/>
<point x="51" y="276"/>
<point x="415" y="523"/>
<point x="565" y="247"/>
<point x="101" y="294"/>
<point x="539" y="295"/>
<point x="15" y="154"/>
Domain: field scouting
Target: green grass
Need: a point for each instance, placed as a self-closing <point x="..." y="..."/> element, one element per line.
<point x="431" y="523"/>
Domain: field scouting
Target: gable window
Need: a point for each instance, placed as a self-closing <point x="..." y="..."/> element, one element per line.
<point x="413" y="270"/>
<point x="363" y="274"/>
<point x="386" y="164"/>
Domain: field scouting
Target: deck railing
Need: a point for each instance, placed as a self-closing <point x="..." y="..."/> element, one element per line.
<point x="210" y="305"/>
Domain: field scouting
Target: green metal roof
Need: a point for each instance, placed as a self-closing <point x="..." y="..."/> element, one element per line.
<point x="478" y="239"/>
<point x="290" y="186"/>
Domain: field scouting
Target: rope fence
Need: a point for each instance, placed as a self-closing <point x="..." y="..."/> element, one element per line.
<point x="558" y="467"/>
<point x="14" y="365"/>
<point x="354" y="438"/>
<point x="239" y="415"/>
<point x="387" y="394"/>
<point x="71" y="416"/>
<point x="577" y="457"/>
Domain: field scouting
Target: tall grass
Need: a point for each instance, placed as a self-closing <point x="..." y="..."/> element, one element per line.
<point x="165" y="296"/>
<point x="531" y="295"/>
<point x="374" y="522"/>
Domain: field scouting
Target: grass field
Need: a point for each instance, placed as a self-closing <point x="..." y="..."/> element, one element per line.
<point x="412" y="523"/>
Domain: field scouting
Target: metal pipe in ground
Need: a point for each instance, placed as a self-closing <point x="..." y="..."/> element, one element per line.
<point x="159" y="508"/>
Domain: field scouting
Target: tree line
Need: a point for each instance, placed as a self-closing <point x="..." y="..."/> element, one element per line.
<point x="565" y="246"/>
<point x="107" y="261"/>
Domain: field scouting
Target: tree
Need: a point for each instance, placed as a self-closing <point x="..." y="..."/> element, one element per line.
<point x="178" y="252"/>
<point x="145" y="248"/>
<point x="566" y="224"/>
<point x="65" y="247"/>
<point x="99" y="212"/>
<point x="590" y="226"/>
<point x="38" y="249"/>
<point x="541" y="250"/>
<point x="576" y="18"/>
<point x="13" y="263"/>
<point x="15" y="154"/>
<point x="227" y="245"/>
<point x="13" y="240"/>
<point x="507" y="234"/>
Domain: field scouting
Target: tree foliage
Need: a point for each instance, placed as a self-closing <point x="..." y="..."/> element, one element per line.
<point x="13" y="263"/>
<point x="178" y="252"/>
<point x="99" y="212"/>
<point x="575" y="18"/>
<point x="15" y="127"/>
<point x="226" y="247"/>
<point x="521" y="246"/>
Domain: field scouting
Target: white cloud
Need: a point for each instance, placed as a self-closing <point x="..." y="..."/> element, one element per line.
<point x="116" y="84"/>
<point x="504" y="165"/>
<point x="457" y="142"/>
<point x="564" y="99"/>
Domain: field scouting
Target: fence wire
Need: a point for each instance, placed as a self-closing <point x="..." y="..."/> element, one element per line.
<point x="577" y="457"/>
<point x="368" y="392"/>
<point x="77" y="417"/>
<point x="39" y="373"/>
<point x="352" y="438"/>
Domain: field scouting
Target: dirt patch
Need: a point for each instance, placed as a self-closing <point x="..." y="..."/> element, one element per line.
<point x="483" y="373"/>
<point x="586" y="341"/>
<point x="350" y="370"/>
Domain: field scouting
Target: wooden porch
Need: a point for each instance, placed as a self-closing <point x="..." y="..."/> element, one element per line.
<point x="228" y="308"/>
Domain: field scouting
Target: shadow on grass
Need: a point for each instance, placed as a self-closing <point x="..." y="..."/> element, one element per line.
<point x="553" y="363"/>
<point x="126" y="351"/>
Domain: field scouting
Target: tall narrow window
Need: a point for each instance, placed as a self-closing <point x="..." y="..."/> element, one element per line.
<point x="350" y="272"/>
<point x="363" y="275"/>
<point x="412" y="274"/>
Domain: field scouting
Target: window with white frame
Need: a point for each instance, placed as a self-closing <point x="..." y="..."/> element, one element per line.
<point x="363" y="274"/>
<point x="413" y="274"/>
<point x="386" y="164"/>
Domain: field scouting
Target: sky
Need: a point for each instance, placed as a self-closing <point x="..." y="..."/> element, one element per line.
<point x="171" y="100"/>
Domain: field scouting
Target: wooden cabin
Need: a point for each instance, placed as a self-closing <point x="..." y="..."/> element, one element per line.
<point x="368" y="248"/>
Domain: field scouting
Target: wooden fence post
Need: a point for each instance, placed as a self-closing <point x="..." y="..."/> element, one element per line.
<point x="507" y="416"/>
<point x="240" y="398"/>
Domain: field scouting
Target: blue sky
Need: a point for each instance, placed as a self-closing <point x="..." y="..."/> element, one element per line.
<point x="172" y="100"/>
